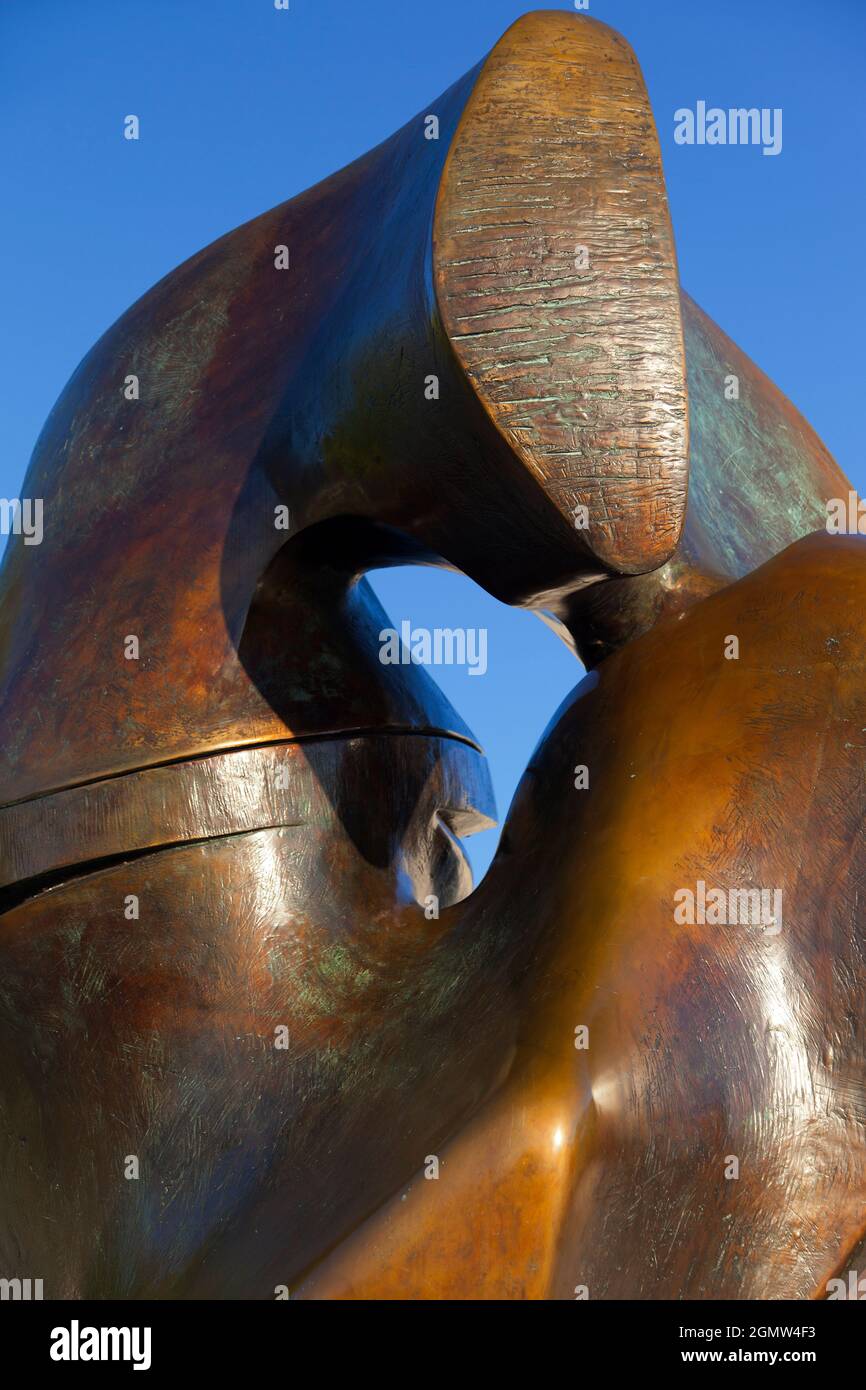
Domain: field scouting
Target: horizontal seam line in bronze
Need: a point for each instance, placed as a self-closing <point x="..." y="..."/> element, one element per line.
<point x="336" y="735"/>
<point x="27" y="889"/>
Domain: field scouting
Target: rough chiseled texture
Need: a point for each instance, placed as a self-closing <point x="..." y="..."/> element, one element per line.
<point x="581" y="367"/>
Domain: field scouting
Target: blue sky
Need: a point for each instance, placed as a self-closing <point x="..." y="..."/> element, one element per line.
<point x="242" y="106"/>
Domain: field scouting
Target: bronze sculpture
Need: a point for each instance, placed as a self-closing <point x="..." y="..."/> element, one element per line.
<point x="216" y="840"/>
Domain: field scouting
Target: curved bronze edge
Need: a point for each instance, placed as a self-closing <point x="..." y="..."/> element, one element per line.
<point x="266" y="786"/>
<point x="760" y="479"/>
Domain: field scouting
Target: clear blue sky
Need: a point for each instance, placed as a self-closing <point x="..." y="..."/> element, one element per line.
<point x="243" y="106"/>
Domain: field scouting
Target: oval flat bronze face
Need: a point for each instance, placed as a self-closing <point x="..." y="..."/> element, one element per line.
<point x="556" y="276"/>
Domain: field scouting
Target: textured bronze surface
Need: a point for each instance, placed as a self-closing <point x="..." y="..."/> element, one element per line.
<point x="157" y="1036"/>
<point x="238" y="941"/>
<point x="605" y="1167"/>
